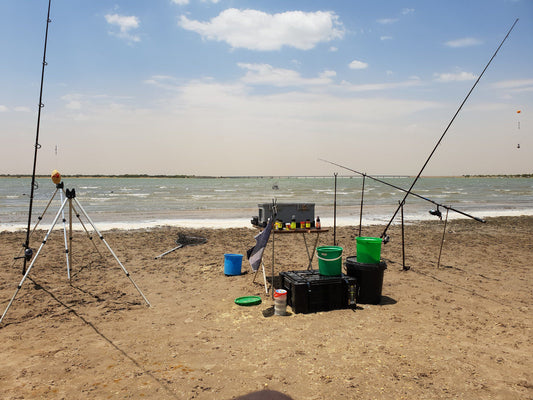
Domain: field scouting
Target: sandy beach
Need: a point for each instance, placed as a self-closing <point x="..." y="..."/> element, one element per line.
<point x="461" y="331"/>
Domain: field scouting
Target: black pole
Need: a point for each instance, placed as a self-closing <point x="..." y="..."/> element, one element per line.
<point x="405" y="190"/>
<point x="335" y="213"/>
<point x="28" y="252"/>
<point x="362" y="200"/>
<point x="442" y="241"/>
<point x="403" y="243"/>
<point x="448" y="127"/>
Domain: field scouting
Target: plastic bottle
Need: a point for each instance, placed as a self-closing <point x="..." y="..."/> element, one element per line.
<point x="293" y="222"/>
<point x="317" y="223"/>
<point x="351" y="297"/>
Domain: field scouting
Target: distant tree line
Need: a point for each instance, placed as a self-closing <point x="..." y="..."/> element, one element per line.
<point x="103" y="176"/>
<point x="500" y="176"/>
<point x="227" y="177"/>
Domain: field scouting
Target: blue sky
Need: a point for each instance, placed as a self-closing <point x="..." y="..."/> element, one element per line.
<point x="235" y="87"/>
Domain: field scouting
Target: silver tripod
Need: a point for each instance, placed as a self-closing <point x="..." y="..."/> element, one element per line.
<point x="70" y="199"/>
<point x="59" y="189"/>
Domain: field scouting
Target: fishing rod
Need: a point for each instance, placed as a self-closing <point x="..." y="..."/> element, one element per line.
<point x="436" y="212"/>
<point x="28" y="252"/>
<point x="446" y="130"/>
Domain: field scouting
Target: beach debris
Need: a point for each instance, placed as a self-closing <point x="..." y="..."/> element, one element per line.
<point x="182" y="241"/>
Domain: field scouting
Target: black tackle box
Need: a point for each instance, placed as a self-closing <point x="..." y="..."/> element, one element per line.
<point x="309" y="292"/>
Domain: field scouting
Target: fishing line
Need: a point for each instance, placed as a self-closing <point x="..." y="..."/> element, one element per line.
<point x="383" y="235"/>
<point x="404" y="190"/>
<point x="28" y="252"/>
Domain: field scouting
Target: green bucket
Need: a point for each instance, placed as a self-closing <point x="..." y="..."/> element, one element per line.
<point x="368" y="250"/>
<point x="329" y="260"/>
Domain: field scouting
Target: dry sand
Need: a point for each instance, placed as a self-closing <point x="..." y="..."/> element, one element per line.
<point x="463" y="331"/>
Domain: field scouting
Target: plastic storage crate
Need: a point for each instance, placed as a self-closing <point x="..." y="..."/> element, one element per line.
<point x="369" y="279"/>
<point x="309" y="292"/>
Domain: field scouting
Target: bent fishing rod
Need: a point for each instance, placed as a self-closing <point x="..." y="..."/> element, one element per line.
<point x="28" y="252"/>
<point x="405" y="190"/>
<point x="446" y="130"/>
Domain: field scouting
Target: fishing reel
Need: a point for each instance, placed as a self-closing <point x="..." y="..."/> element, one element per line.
<point x="436" y="213"/>
<point x="28" y="254"/>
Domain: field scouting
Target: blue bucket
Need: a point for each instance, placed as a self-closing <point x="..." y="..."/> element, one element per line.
<point x="232" y="264"/>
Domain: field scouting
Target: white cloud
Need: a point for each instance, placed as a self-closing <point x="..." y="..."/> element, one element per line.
<point x="455" y="76"/>
<point x="185" y="2"/>
<point x="86" y="106"/>
<point x="72" y="101"/>
<point x="407" y="11"/>
<point x="16" y="109"/>
<point x="355" y="64"/>
<point x="22" y="109"/>
<point x="257" y="30"/>
<point x="464" y="42"/>
<point x="162" y="81"/>
<point x="374" y="87"/>
<point x="387" y="21"/>
<point x="125" y="24"/>
<point x="518" y="85"/>
<point x="264" y="74"/>
<point x="73" y="105"/>
<point x="385" y="38"/>
<point x="328" y="74"/>
<point x="234" y="104"/>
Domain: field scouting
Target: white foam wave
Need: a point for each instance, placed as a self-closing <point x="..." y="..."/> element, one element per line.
<point x="219" y="223"/>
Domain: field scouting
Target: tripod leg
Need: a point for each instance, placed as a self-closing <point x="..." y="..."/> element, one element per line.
<point x="86" y="231"/>
<point x="39" y="219"/>
<point x="34" y="259"/>
<point x="403" y="242"/>
<point x="111" y="251"/>
<point x="69" y="234"/>
<point x="67" y="254"/>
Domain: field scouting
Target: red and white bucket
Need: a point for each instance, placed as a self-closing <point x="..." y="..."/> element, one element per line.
<point x="280" y="302"/>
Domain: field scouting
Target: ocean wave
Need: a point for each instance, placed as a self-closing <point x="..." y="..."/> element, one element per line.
<point x="222" y="223"/>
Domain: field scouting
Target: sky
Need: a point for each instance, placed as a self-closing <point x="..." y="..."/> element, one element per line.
<point x="270" y="88"/>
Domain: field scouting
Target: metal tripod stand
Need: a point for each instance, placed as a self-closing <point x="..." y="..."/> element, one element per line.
<point x="70" y="199"/>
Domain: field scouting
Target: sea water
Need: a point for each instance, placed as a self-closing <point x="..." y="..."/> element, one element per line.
<point x="133" y="203"/>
